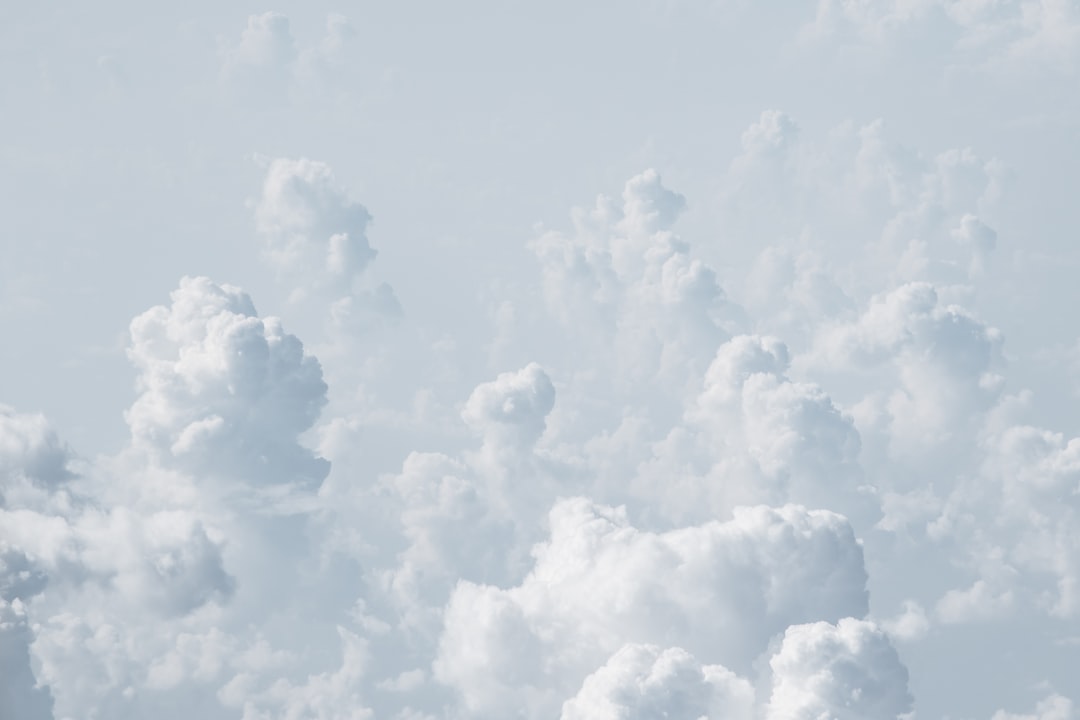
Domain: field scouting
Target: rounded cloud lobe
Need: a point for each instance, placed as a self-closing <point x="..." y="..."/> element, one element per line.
<point x="599" y="583"/>
<point x="643" y="681"/>
<point x="222" y="390"/>
<point x="844" y="671"/>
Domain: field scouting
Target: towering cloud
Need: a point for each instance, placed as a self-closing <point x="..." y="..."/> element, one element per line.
<point x="223" y="391"/>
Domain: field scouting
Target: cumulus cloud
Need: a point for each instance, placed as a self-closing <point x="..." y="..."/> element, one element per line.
<point x="984" y="34"/>
<point x="643" y="681"/>
<point x="309" y="223"/>
<point x="1053" y="707"/>
<point x="753" y="435"/>
<point x="223" y="391"/>
<point x="635" y="285"/>
<point x="846" y="671"/>
<point x="265" y="67"/>
<point x="945" y="362"/>
<point x="510" y="410"/>
<point x="599" y="583"/>
<point x="21" y="695"/>
<point x="711" y="423"/>
<point x="315" y="237"/>
<point x="30" y="452"/>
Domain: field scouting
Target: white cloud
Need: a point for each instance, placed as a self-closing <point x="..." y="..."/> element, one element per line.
<point x="976" y="604"/>
<point x="311" y="228"/>
<point x="223" y="392"/>
<point x="846" y="671"/>
<point x="643" y="681"/>
<point x="30" y="451"/>
<point x="599" y="583"/>
<point x="21" y="696"/>
<point x="911" y="625"/>
<point x="946" y="364"/>
<point x="629" y="288"/>
<point x="266" y="68"/>
<point x="990" y="34"/>
<point x="1053" y="707"/>
<point x="654" y="461"/>
<point x="510" y="410"/>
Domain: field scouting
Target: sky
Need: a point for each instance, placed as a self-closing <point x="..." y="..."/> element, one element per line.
<point x="593" y="361"/>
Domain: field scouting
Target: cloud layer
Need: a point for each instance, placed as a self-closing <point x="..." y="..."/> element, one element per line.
<point x="778" y="426"/>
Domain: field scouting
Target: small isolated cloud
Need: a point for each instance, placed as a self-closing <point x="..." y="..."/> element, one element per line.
<point x="979" y="603"/>
<point x="910" y="625"/>
<point x="260" y="65"/>
<point x="266" y="67"/>
<point x="1039" y="34"/>
<point x="1052" y="707"/>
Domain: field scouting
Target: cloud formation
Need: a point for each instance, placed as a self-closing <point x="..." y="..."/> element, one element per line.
<point x="779" y="427"/>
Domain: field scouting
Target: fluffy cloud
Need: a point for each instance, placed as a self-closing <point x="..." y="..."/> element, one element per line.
<point x="753" y="435"/>
<point x="266" y="67"/>
<point x="474" y="517"/>
<point x="1053" y="707"/>
<point x="633" y="283"/>
<point x="643" y="681"/>
<point x="946" y="364"/>
<point x="846" y="671"/>
<point x="223" y="391"/>
<point x="310" y="225"/>
<point x="1028" y="484"/>
<point x="990" y="34"/>
<point x="30" y="452"/>
<point x="888" y="214"/>
<point x="599" y="583"/>
<point x="315" y="237"/>
<point x="510" y="410"/>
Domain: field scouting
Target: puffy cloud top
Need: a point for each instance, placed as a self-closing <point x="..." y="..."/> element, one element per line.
<point x="31" y="450"/>
<point x="222" y="390"/>
<point x="719" y="590"/>
<point x="846" y="671"/>
<point x="642" y="682"/>
<point x="312" y="230"/>
<point x="511" y="409"/>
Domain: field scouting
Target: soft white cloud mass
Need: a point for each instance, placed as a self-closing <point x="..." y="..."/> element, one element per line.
<point x="602" y="361"/>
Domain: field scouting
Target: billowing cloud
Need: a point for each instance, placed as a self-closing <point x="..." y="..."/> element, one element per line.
<point x="266" y="66"/>
<point x="600" y="583"/>
<point x="310" y="226"/>
<point x="30" y="452"/>
<point x="643" y="681"/>
<point x="728" y="442"/>
<point x="846" y="671"/>
<point x="223" y="391"/>
<point x="627" y="277"/>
